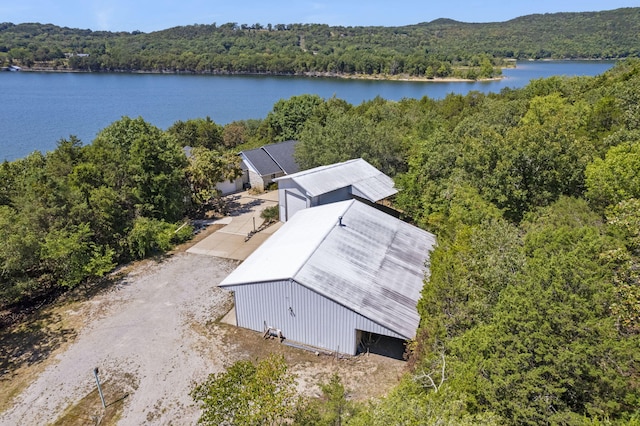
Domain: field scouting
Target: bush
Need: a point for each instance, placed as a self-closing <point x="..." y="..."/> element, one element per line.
<point x="150" y="236"/>
<point x="270" y="214"/>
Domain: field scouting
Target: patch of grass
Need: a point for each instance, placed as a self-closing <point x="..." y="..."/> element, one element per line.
<point x="89" y="410"/>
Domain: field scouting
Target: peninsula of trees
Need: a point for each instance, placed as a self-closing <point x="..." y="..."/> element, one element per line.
<point x="438" y="49"/>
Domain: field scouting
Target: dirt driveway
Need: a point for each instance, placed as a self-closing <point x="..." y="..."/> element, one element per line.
<point x="153" y="335"/>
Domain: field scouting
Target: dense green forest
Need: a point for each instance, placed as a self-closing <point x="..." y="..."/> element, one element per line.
<point x="531" y="312"/>
<point x="442" y="48"/>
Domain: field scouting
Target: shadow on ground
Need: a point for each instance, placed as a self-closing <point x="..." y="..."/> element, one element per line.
<point x="235" y="208"/>
<point x="32" y="342"/>
<point x="30" y="331"/>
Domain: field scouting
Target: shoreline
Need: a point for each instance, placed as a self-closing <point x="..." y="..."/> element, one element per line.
<point x="407" y="78"/>
<point x="372" y="77"/>
<point x="310" y="74"/>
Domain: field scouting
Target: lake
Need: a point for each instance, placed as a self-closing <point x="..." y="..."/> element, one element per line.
<point x="40" y="108"/>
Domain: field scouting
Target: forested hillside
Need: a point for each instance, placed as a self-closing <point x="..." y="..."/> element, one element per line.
<point x="442" y="48"/>
<point x="531" y="314"/>
<point x="69" y="216"/>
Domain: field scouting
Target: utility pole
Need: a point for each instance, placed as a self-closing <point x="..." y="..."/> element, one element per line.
<point x="95" y="373"/>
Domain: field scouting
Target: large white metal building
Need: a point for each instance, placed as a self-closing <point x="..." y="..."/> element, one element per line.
<point x="333" y="274"/>
<point x="328" y="184"/>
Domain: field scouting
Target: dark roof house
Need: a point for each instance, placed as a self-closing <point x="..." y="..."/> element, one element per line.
<point x="268" y="162"/>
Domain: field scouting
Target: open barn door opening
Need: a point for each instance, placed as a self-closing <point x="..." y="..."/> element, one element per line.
<point x="381" y="345"/>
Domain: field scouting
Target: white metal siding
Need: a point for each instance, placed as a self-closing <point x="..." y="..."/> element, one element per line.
<point x="341" y="194"/>
<point x="365" y="324"/>
<point x="288" y="187"/>
<point x="324" y="179"/>
<point x="303" y="315"/>
<point x="227" y="187"/>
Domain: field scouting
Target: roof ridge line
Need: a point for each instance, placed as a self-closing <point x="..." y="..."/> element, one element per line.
<point x="327" y="167"/>
<point x="274" y="160"/>
<point x="295" y="274"/>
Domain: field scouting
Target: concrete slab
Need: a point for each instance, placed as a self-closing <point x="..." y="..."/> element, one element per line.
<point x="224" y="221"/>
<point x="244" y="217"/>
<point x="231" y="246"/>
<point x="230" y="317"/>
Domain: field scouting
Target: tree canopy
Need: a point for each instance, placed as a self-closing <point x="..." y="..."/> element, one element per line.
<point x="70" y="215"/>
<point x="248" y="394"/>
<point x="530" y="312"/>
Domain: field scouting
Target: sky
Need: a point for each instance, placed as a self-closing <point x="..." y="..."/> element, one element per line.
<point x="153" y="15"/>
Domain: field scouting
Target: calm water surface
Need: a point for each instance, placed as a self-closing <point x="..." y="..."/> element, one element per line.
<point x="38" y="109"/>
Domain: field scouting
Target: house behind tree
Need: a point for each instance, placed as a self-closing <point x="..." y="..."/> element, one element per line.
<point x="262" y="165"/>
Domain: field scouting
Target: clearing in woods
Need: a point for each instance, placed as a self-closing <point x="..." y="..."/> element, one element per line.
<point x="153" y="331"/>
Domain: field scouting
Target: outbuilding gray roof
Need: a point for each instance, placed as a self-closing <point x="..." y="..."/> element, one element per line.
<point x="365" y="180"/>
<point x="368" y="261"/>
<point x="273" y="158"/>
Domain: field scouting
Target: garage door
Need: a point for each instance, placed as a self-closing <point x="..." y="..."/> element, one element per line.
<point x="227" y="187"/>
<point x="294" y="203"/>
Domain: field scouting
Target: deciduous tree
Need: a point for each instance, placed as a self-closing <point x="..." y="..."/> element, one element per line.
<point x="248" y="393"/>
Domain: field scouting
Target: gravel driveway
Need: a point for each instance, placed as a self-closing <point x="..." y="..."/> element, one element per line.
<point x="141" y="334"/>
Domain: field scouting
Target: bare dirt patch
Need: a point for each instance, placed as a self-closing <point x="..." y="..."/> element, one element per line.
<point x="364" y="376"/>
<point x="139" y="327"/>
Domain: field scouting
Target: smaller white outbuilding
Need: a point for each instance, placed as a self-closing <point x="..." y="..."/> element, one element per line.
<point x="334" y="275"/>
<point x="328" y="184"/>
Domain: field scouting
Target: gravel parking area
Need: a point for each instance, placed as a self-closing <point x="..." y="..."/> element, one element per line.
<point x="143" y="334"/>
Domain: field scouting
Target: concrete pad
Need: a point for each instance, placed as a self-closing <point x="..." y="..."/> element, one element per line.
<point x="270" y="196"/>
<point x="229" y="242"/>
<point x="242" y="251"/>
<point x="272" y="229"/>
<point x="232" y="246"/>
<point x="243" y="224"/>
<point x="230" y="317"/>
<point x="224" y="221"/>
<point x="219" y="244"/>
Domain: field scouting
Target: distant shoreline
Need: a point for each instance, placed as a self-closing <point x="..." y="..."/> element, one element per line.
<point x="399" y="77"/>
<point x="373" y="77"/>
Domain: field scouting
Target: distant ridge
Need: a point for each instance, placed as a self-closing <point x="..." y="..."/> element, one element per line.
<point x="442" y="48"/>
<point x="443" y="21"/>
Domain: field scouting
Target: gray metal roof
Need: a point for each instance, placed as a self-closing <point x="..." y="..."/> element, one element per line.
<point x="374" y="264"/>
<point x="273" y="158"/>
<point x="366" y="181"/>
